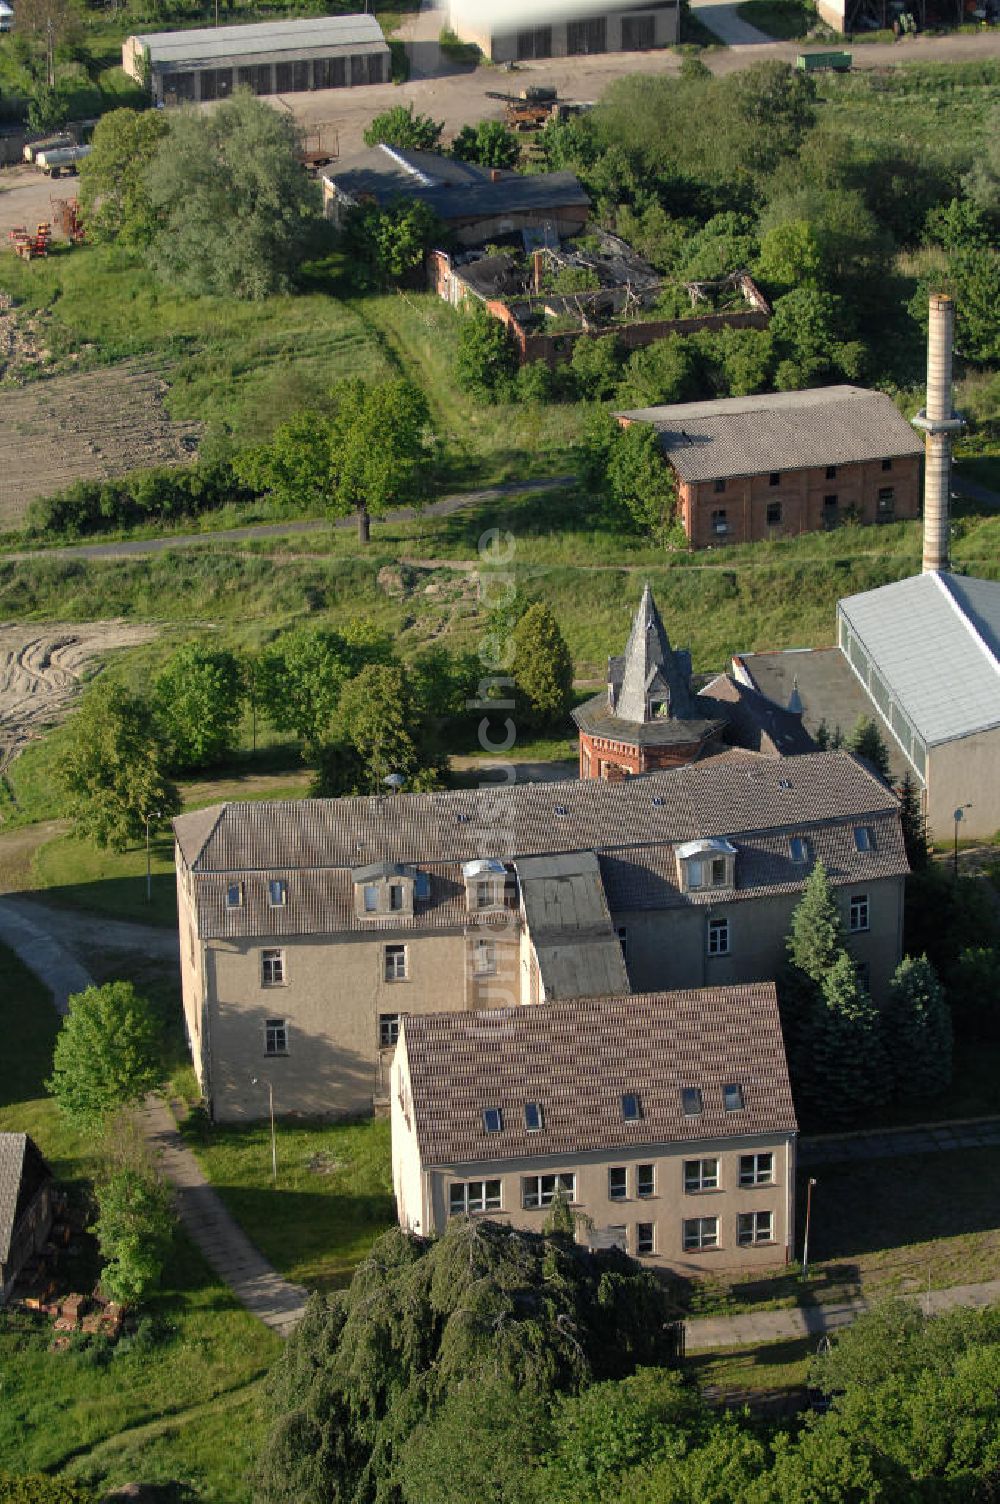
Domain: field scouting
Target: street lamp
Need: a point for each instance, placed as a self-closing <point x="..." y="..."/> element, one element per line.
<point x="154" y="814"/>
<point x="958" y="818"/>
<point x="394" y="782"/>
<point x="805" y="1240"/>
<point x="264" y="1081"/>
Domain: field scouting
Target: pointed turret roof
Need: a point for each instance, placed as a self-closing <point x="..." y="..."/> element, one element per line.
<point x="653" y="680"/>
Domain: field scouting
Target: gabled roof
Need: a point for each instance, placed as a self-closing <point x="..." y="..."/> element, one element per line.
<point x="23" y="1172"/>
<point x="833" y="425"/>
<point x="578" y="1058"/>
<point x="935" y="641"/>
<point x="208" y="43"/>
<point x="757" y="722"/>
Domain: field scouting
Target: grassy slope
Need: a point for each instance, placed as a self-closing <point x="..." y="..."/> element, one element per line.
<point x="66" y="1409"/>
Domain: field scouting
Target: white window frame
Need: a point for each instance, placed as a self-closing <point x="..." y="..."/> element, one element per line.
<point x="275" y="1036"/>
<point x="392" y="956"/>
<point x="751" y="1226"/>
<point x="858" y="914"/>
<point x="734" y="1098"/>
<point x="537" y="1110"/>
<point x="645" y="1242"/>
<point x="645" y="1173"/>
<point x="686" y="1109"/>
<point x="477" y="1197"/>
<point x="484" y="891"/>
<point x="272" y="968"/>
<point x="617" y="1183"/>
<point x="757" y="1169"/>
<point x="388" y="1030"/>
<point x="718" y="939"/>
<point x="494" y="1113"/>
<point x="540" y="1190"/>
<point x="370" y="898"/>
<point x="277" y="893"/>
<point x="864" y="838"/>
<point x="697" y="1178"/>
<point x="700" y="1232"/>
<point x="484" y="958"/>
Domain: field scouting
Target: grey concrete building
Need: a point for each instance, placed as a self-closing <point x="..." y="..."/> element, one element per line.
<point x="309" y="929"/>
<point x="666" y="1121"/>
<point x="270" y="57"/>
<point x="563" y="28"/>
<point x="25" y="1206"/>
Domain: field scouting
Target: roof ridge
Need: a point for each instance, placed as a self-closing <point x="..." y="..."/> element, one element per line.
<point x="211" y="832"/>
<point x="943" y="585"/>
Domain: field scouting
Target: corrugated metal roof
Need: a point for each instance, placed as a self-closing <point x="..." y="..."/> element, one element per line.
<point x="315" y="844"/>
<point x="578" y="1059"/>
<point x="210" y="43"/>
<point x="454" y="190"/>
<point x="833" y="425"/>
<point x="935" y="639"/>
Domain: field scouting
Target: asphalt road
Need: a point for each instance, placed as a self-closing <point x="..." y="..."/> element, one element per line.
<point x="138" y="547"/>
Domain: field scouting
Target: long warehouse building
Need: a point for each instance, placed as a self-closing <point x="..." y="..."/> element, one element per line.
<point x="274" y="57"/>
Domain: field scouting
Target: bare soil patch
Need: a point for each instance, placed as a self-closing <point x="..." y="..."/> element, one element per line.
<point x="42" y="670"/>
<point x="88" y="426"/>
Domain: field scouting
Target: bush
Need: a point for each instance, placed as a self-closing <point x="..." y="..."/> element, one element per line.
<point x="487" y="356"/>
<point x="38" y="1488"/>
<point x="146" y="496"/>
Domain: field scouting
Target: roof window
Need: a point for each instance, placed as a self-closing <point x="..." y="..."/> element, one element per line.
<point x="798" y="849"/>
<point x="732" y="1098"/>
<point x="493" y="1119"/>
<point x="534" y="1117"/>
<point x="561" y="809"/>
<point x="234" y="896"/>
<point x="691" y="1103"/>
<point x="631" y="1107"/>
<point x="864" y="838"/>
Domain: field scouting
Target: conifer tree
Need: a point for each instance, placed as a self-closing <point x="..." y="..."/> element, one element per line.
<point x="816" y="937"/>
<point x="849" y="1071"/>
<point x="914" y="826"/>
<point x="543" y="669"/>
<point x="918" y="1031"/>
<point x="865" y="740"/>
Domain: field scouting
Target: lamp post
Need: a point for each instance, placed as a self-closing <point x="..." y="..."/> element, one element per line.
<point x="265" y="1081"/>
<point x="154" y="814"/>
<point x="805" y="1240"/>
<point x="958" y="817"/>
<point x="394" y="782"/>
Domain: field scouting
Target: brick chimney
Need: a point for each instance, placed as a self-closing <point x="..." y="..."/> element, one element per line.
<point x="939" y="422"/>
<point x="495" y="174"/>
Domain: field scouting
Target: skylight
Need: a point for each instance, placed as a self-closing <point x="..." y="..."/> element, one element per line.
<point x="691" y="1104"/>
<point x="631" y="1107"/>
<point x="798" y="849"/>
<point x="534" y="1117"/>
<point x="422" y="887"/>
<point x="493" y="1119"/>
<point x="864" y="838"/>
<point x="732" y="1098"/>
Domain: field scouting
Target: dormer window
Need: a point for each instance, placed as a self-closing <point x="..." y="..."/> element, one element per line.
<point x="234" y="896"/>
<point x="706" y="865"/>
<point x="798" y="849"/>
<point x="864" y="838"/>
<point x="485" y="881"/>
<point x="277" y="893"/>
<point x="386" y="888"/>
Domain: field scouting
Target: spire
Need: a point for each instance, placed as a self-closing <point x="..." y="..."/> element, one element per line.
<point x="651" y="681"/>
<point x="795" y="699"/>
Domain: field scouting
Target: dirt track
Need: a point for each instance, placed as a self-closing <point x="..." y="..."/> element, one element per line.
<point x="88" y="426"/>
<point x="42" y="669"/>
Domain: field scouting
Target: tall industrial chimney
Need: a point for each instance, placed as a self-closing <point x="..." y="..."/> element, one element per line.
<point x="939" y="422"/>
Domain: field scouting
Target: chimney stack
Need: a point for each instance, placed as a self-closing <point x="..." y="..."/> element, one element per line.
<point x="939" y="422"/>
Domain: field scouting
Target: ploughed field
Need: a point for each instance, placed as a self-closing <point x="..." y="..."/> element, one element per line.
<point x="86" y="426"/>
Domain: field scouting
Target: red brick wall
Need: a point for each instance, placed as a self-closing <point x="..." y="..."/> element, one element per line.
<point x="621" y="758"/>
<point x="800" y="494"/>
<point x="556" y="349"/>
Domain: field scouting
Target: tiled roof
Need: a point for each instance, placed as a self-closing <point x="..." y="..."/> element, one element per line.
<point x="935" y="640"/>
<point x="22" y="1173"/>
<point x="314" y="844"/>
<point x="757" y="722"/>
<point x="577" y="1059"/>
<point x="834" y="425"/>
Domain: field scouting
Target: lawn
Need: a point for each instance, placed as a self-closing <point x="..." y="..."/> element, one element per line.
<point x="743" y="1370"/>
<point x="146" y="1410"/>
<point x="333" y="1196"/>
<point x="787" y="20"/>
<point x="881" y="1227"/>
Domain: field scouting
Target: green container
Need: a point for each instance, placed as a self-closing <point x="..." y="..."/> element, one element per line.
<point x="820" y="62"/>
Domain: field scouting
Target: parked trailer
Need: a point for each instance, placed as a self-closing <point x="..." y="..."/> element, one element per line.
<point x="47" y="143"/>
<point x="824" y="62"/>
<point x="62" y="159"/>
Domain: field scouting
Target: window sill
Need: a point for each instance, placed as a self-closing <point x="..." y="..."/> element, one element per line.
<point x="269" y="986"/>
<point x="275" y="1054"/>
<point x="760" y="1243"/>
<point x="703" y="1190"/>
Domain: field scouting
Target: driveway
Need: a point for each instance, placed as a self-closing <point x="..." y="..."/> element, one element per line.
<point x="724" y="20"/>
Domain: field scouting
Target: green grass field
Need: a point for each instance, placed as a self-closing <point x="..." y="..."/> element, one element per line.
<point x="787" y="20"/>
<point x="179" y="1403"/>
<point x="333" y="1196"/>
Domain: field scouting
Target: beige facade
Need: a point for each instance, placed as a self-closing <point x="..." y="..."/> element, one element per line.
<point x="633" y="30"/>
<point x="965" y="772"/>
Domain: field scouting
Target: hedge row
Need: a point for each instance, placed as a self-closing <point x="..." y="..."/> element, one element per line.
<point x="161" y="495"/>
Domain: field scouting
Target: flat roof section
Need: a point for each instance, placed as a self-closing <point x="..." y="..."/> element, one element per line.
<point x="211" y="43"/>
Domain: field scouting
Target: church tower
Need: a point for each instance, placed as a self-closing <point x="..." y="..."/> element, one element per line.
<point x="648" y="717"/>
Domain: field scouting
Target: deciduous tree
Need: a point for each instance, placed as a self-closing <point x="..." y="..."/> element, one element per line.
<point x="112" y="765"/>
<point x="134" y="1230"/>
<point x="401" y="126"/>
<point x="386" y="243"/>
<point x="294" y="467"/>
<point x="489" y="143"/>
<point x="299" y="678"/>
<point x="198" y="703"/>
<point x="114" y="191"/>
<point x="381" y="453"/>
<point x="640" y="482"/>
<point x="234" y="206"/>
<point x="107" y="1053"/>
<point x="486" y="359"/>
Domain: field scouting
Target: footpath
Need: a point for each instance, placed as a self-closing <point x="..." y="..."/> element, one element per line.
<point x="257" y="1286"/>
